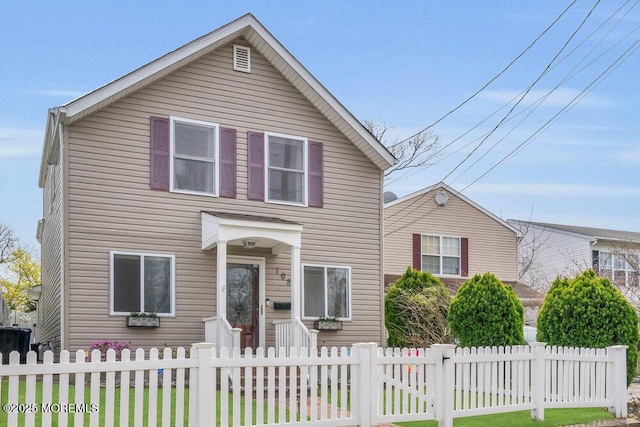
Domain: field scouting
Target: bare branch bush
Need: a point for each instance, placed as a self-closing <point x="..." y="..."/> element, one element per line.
<point x="425" y="320"/>
<point x="530" y="245"/>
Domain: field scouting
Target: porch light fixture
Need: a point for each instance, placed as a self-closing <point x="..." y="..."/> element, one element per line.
<point x="248" y="244"/>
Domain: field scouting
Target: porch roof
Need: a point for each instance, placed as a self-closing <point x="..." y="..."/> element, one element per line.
<point x="236" y="229"/>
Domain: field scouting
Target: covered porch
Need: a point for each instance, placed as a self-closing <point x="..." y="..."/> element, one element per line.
<point x="225" y="231"/>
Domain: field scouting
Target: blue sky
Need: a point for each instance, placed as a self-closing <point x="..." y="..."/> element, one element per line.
<point x="404" y="63"/>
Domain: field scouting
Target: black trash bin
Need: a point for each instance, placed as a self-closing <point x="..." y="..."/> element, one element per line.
<point x="14" y="339"/>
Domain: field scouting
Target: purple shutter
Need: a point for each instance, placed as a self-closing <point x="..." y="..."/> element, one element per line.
<point x="417" y="251"/>
<point x="159" y="153"/>
<point x="464" y="257"/>
<point x="227" y="162"/>
<point x="255" y="165"/>
<point x="315" y="174"/>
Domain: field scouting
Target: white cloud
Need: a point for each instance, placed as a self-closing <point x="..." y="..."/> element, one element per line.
<point x="555" y="190"/>
<point x="629" y="156"/>
<point x="20" y="142"/>
<point x="559" y="98"/>
<point x="59" y="93"/>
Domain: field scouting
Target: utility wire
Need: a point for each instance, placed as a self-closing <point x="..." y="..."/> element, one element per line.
<point x="494" y="78"/>
<point x="619" y="61"/>
<point x="413" y="171"/>
<point x="541" y="100"/>
<point x="546" y="70"/>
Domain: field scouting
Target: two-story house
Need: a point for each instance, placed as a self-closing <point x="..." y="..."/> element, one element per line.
<point x="222" y="182"/>
<point x="440" y="230"/>
<point x="552" y="250"/>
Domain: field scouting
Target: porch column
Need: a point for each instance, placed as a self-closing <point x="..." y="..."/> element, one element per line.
<point x="296" y="305"/>
<point x="221" y="287"/>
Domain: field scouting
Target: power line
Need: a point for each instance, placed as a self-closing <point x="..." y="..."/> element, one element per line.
<point x="572" y="73"/>
<point x="546" y="69"/>
<point x="601" y="77"/>
<point x="413" y="171"/>
<point x="494" y="78"/>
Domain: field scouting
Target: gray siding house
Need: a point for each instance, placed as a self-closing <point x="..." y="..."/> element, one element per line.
<point x="221" y="187"/>
<point x="553" y="250"/>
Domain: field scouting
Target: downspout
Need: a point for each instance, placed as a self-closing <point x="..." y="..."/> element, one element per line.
<point x="64" y="344"/>
<point x="381" y="205"/>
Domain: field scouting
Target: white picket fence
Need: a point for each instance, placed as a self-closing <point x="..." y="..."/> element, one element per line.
<point x="361" y="386"/>
<point x="493" y="380"/>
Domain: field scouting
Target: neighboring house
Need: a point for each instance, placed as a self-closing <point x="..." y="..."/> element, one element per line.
<point x="439" y="230"/>
<point x="220" y="181"/>
<point x="551" y="250"/>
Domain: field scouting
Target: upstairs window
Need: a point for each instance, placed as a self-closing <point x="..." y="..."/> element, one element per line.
<point x="327" y="292"/>
<point x="194" y="153"/>
<point x="142" y="283"/>
<point x="441" y="255"/>
<point x="615" y="267"/>
<point x="286" y="171"/>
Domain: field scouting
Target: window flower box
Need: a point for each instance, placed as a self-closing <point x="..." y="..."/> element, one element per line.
<point x="143" y="320"/>
<point x="327" y="325"/>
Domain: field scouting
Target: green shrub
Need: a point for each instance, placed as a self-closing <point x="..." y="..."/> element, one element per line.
<point x="486" y="312"/>
<point x="588" y="311"/>
<point x="415" y="311"/>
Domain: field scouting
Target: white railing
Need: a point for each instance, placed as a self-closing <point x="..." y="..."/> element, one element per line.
<point x="220" y="333"/>
<point x="308" y="337"/>
<point x="210" y="329"/>
<point x="283" y="333"/>
<point x="361" y="386"/>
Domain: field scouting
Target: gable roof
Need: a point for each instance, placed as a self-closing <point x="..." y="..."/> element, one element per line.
<point x="260" y="39"/>
<point x="443" y="186"/>
<point x="597" y="233"/>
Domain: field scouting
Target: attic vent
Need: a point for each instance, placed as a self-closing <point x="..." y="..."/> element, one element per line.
<point x="242" y="58"/>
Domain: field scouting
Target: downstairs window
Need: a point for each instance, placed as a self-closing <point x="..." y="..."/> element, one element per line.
<point x="326" y="292"/>
<point x="142" y="283"/>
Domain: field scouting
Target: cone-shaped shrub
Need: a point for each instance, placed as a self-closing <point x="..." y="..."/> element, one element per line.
<point x="415" y="311"/>
<point x="589" y="311"/>
<point x="486" y="312"/>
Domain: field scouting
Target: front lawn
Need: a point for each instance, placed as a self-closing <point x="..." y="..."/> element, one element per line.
<point x="101" y="406"/>
<point x="552" y="418"/>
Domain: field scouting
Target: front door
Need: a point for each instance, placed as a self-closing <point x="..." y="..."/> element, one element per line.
<point x="243" y="290"/>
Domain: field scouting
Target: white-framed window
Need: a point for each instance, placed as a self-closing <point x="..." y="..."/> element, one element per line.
<point x="194" y="156"/>
<point x="286" y="169"/>
<point x="142" y="282"/>
<point x="441" y="255"/>
<point x="326" y="291"/>
<point x="616" y="268"/>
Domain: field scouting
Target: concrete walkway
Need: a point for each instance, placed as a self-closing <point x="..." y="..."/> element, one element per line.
<point x="633" y="394"/>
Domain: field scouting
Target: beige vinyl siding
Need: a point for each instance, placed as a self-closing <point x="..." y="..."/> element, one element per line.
<point x="49" y="313"/>
<point x="112" y="208"/>
<point x="492" y="246"/>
